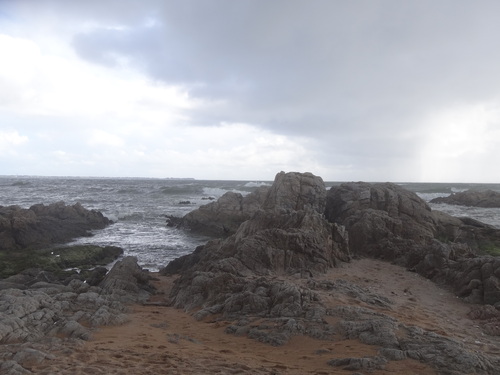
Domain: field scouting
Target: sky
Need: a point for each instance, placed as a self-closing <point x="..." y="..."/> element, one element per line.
<point x="358" y="90"/>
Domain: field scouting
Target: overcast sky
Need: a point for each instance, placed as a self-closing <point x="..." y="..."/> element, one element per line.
<point x="389" y="90"/>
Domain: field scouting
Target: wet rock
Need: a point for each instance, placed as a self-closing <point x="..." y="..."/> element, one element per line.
<point x="222" y="217"/>
<point x="472" y="198"/>
<point x="42" y="225"/>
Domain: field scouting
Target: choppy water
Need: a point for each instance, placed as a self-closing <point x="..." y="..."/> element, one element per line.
<point x="139" y="206"/>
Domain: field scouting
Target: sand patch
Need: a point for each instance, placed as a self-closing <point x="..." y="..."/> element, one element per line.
<point x="162" y="340"/>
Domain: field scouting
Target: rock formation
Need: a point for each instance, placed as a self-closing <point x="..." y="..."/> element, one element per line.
<point x="42" y="225"/>
<point x="388" y="222"/>
<point x="300" y="232"/>
<point x="472" y="198"/>
<point x="289" y="239"/>
<point x="222" y="217"/>
<point x="39" y="309"/>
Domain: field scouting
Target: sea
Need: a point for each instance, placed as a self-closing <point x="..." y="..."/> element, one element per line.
<point x="139" y="207"/>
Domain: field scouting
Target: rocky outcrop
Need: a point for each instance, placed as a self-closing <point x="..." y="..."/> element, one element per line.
<point x="290" y="192"/>
<point x="383" y="220"/>
<point x="286" y="236"/>
<point x="44" y="310"/>
<point x="224" y="216"/>
<point x="42" y="225"/>
<point x="388" y="222"/>
<point x="57" y="260"/>
<point x="266" y="277"/>
<point x="399" y="341"/>
<point x="472" y="198"/>
<point x="296" y="191"/>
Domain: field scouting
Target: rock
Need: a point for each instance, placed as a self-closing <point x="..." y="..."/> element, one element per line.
<point x="488" y="317"/>
<point x="49" y="309"/>
<point x="382" y="219"/>
<point x="42" y="225"/>
<point x="295" y="192"/>
<point x="472" y="198"/>
<point x="127" y="282"/>
<point x="263" y="279"/>
<point x="11" y="367"/>
<point x="222" y="217"/>
<point x="234" y="276"/>
<point x="388" y="222"/>
<point x="354" y="364"/>
<point x="29" y="357"/>
<point x="58" y="261"/>
<point x="398" y="341"/>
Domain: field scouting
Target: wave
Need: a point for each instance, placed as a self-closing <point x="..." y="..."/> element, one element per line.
<point x="257" y="184"/>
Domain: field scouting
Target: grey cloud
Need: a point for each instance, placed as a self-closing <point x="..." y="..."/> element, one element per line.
<point x="337" y="70"/>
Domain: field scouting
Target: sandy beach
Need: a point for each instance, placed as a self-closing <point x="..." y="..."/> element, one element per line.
<point x="162" y="340"/>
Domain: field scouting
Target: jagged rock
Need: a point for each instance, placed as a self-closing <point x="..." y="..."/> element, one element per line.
<point x="376" y="215"/>
<point x="11" y="367"/>
<point x="480" y="237"/>
<point x="231" y="276"/>
<point x="222" y="217"/>
<point x="42" y="225"/>
<point x="299" y="243"/>
<point x="127" y="282"/>
<point x="241" y="278"/>
<point x="47" y="309"/>
<point x="472" y="198"/>
<point x="388" y="222"/>
<point x="295" y="192"/>
<point x="398" y="341"/>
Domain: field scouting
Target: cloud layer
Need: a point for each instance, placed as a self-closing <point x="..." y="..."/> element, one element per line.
<point x="379" y="90"/>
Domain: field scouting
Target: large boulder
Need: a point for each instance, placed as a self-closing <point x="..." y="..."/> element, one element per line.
<point x="382" y="219"/>
<point x="472" y="198"/>
<point x="224" y="216"/>
<point x="296" y="191"/>
<point x="127" y="281"/>
<point x="42" y="225"/>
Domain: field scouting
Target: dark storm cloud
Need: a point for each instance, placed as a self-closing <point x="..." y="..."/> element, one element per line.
<point x="354" y="75"/>
<point x="334" y="64"/>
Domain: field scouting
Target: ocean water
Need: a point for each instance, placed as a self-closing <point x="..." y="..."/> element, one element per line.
<point x="139" y="206"/>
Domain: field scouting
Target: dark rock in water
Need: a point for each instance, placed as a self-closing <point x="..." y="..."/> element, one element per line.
<point x="223" y="217"/>
<point x="41" y="225"/>
<point x="472" y="198"/>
